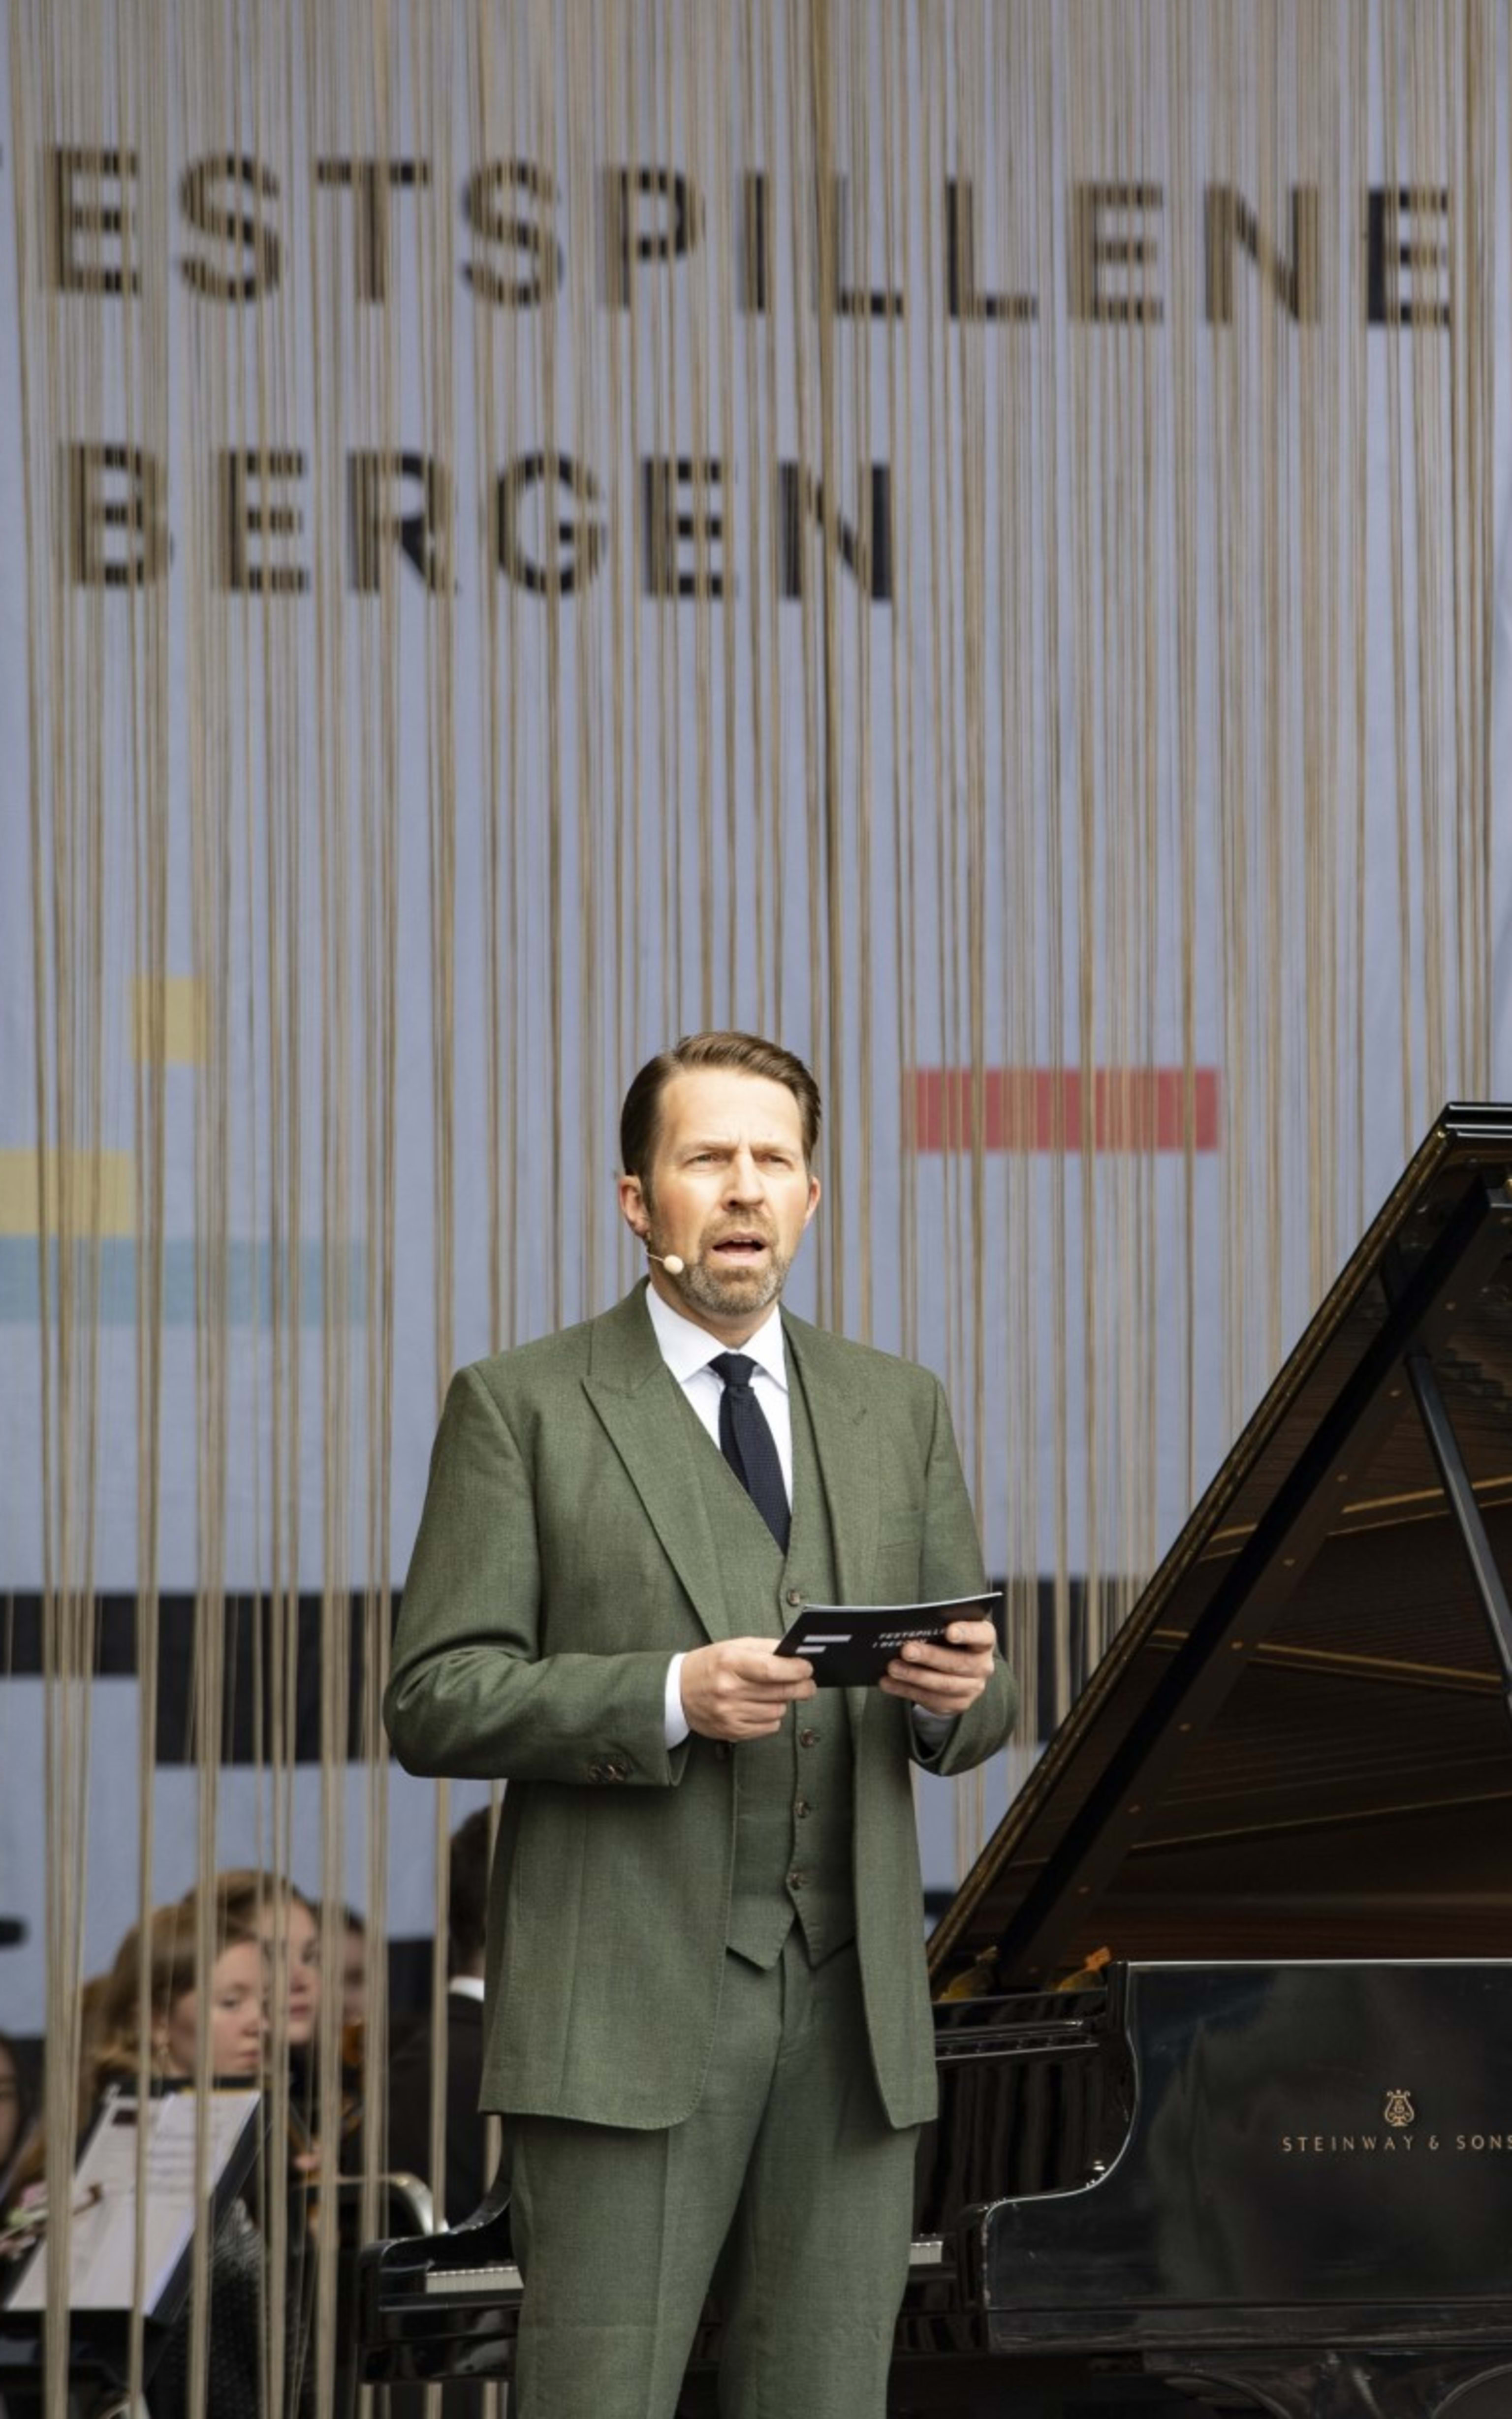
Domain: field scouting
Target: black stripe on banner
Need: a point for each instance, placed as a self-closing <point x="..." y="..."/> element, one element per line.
<point x="247" y="1725"/>
<point x="1078" y="1646"/>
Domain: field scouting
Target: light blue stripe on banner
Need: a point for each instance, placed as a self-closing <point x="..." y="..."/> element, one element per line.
<point x="248" y="1280"/>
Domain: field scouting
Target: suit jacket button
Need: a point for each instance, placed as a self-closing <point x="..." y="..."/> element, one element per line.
<point x="808" y="1738"/>
<point x="796" y="1879"/>
<point x="794" y="1596"/>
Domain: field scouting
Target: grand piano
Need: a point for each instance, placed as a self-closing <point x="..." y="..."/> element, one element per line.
<point x="1223" y="2009"/>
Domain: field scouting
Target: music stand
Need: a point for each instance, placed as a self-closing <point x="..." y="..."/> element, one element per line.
<point x="102" y="2247"/>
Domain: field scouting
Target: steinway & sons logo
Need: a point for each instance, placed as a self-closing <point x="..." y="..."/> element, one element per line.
<point x="1398" y="2117"/>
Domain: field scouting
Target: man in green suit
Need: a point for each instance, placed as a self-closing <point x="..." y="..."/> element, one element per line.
<point x="707" y="2019"/>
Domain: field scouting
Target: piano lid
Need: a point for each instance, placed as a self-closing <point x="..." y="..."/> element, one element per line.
<point x="1300" y="1742"/>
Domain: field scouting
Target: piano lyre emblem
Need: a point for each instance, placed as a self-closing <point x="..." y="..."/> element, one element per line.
<point x="1399" y="2109"/>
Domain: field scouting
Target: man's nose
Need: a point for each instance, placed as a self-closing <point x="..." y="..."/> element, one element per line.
<point x="744" y="1179"/>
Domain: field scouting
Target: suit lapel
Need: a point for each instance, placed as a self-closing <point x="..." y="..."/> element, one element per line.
<point x="845" y="1447"/>
<point x="845" y="1444"/>
<point x="636" y="1396"/>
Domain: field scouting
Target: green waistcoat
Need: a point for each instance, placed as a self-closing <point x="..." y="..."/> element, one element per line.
<point x="794" y="1790"/>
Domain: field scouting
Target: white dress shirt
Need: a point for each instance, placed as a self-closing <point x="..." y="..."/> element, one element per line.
<point x="688" y="1351"/>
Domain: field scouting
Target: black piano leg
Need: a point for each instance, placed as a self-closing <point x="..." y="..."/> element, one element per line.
<point x="1356" y="2385"/>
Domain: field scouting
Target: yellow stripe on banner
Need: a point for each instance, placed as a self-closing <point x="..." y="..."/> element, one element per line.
<point x="168" y="1020"/>
<point x="92" y="1188"/>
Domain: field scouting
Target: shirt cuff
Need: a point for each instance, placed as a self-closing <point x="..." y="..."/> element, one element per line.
<point x="674" y="1720"/>
<point x="931" y="1730"/>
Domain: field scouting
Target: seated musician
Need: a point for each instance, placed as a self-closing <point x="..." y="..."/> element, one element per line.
<point x="17" y="2109"/>
<point x="232" y="2012"/>
<point x="411" y="2068"/>
<point x="279" y="1915"/>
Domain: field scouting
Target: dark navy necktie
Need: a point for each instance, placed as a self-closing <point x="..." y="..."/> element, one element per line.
<point x="748" y="1444"/>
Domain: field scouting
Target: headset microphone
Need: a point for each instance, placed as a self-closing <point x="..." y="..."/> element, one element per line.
<point x="670" y="1261"/>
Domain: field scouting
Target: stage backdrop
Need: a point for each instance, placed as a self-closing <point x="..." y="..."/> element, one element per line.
<point x="965" y="536"/>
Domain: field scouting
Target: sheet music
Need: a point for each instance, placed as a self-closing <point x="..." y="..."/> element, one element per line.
<point x="102" y="2242"/>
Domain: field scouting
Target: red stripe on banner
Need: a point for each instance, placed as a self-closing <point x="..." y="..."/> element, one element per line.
<point x="1040" y="1108"/>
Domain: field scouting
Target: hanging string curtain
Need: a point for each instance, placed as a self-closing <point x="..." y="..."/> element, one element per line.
<point x="961" y="535"/>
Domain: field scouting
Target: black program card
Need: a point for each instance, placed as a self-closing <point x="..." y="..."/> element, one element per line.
<point x="851" y="1645"/>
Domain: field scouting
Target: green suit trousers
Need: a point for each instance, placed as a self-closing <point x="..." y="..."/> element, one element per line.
<point x="786" y="2191"/>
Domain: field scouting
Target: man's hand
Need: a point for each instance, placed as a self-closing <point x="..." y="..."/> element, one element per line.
<point x="739" y="1690"/>
<point x="944" y="1679"/>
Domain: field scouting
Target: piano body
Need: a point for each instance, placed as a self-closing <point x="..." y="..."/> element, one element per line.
<point x="1224" y="2007"/>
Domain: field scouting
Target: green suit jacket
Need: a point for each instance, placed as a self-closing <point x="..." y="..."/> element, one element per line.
<point x="563" y="1557"/>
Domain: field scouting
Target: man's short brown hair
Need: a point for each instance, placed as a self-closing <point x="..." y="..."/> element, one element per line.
<point x="745" y="1052"/>
<point x="468" y="1856"/>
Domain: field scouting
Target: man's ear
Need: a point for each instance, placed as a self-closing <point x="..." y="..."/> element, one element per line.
<point x="633" y="1206"/>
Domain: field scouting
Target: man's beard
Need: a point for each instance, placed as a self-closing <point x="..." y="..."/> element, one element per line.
<point x="730" y="1293"/>
<point x="733" y="1292"/>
